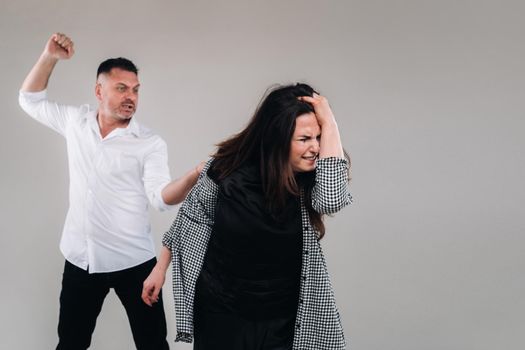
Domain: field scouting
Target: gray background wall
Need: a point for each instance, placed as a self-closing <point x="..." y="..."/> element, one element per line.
<point x="429" y="96"/>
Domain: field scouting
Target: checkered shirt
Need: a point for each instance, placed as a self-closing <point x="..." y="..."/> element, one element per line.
<point x="318" y="326"/>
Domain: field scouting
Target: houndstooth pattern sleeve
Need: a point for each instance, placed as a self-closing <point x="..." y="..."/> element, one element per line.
<point x="330" y="192"/>
<point x="188" y="239"/>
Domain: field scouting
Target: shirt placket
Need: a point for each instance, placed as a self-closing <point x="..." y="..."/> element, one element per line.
<point x="92" y="183"/>
<point x="304" y="276"/>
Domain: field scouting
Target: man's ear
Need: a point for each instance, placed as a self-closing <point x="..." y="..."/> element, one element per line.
<point x="98" y="91"/>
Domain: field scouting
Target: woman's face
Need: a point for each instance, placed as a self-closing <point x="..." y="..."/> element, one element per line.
<point x="304" y="147"/>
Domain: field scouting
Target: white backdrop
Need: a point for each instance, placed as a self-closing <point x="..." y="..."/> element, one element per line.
<point x="429" y="98"/>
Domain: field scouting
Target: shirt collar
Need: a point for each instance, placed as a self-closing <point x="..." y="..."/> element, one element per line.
<point x="132" y="128"/>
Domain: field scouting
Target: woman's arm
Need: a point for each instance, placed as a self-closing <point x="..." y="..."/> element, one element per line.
<point x="330" y="145"/>
<point x="330" y="192"/>
<point x="155" y="280"/>
<point x="197" y="210"/>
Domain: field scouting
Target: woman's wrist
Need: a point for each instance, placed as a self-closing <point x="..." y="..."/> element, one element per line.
<point x="331" y="123"/>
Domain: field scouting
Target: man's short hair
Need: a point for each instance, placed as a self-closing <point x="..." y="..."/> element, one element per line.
<point x="119" y="62"/>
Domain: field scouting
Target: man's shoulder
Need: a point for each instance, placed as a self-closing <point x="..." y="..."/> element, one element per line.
<point x="85" y="110"/>
<point x="149" y="136"/>
<point x="147" y="132"/>
<point x="83" y="115"/>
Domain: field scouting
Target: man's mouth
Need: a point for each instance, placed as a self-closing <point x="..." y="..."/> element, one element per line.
<point x="128" y="106"/>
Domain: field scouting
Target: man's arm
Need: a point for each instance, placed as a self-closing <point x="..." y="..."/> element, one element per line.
<point x="59" y="46"/>
<point x="33" y="93"/>
<point x="195" y="215"/>
<point x="173" y="193"/>
<point x="162" y="192"/>
<point x="177" y="190"/>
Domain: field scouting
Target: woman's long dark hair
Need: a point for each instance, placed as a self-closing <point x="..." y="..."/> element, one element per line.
<point x="266" y="141"/>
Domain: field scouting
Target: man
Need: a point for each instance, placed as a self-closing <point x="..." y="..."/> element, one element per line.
<point x="116" y="166"/>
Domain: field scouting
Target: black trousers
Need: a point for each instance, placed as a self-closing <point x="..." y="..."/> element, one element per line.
<point x="82" y="297"/>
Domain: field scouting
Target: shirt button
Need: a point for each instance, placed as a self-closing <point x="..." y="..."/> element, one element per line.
<point x="298" y="325"/>
<point x="304" y="278"/>
<point x="301" y="301"/>
<point x="306" y="252"/>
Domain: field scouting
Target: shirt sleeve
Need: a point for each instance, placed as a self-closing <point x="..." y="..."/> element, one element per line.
<point x="157" y="175"/>
<point x="331" y="190"/>
<point x="51" y="114"/>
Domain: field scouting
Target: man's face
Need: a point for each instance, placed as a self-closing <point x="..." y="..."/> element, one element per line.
<point x="118" y="94"/>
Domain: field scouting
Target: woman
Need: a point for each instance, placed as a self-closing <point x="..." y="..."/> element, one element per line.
<point x="248" y="271"/>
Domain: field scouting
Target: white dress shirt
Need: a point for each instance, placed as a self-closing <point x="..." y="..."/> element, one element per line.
<point x="111" y="180"/>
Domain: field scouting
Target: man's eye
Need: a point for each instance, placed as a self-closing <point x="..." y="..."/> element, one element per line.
<point x="121" y="88"/>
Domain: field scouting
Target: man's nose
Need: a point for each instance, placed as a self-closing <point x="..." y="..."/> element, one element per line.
<point x="132" y="95"/>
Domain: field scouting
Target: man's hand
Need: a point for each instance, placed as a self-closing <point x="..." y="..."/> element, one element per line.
<point x="152" y="286"/>
<point x="59" y="46"/>
<point x="177" y="190"/>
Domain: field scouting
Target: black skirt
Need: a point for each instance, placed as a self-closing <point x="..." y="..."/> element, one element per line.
<point x="229" y="331"/>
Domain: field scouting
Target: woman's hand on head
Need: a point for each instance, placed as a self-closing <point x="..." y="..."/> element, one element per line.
<point x="322" y="110"/>
<point x="330" y="145"/>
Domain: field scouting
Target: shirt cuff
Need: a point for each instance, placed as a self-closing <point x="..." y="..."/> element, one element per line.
<point x="158" y="202"/>
<point x="33" y="96"/>
<point x="333" y="161"/>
